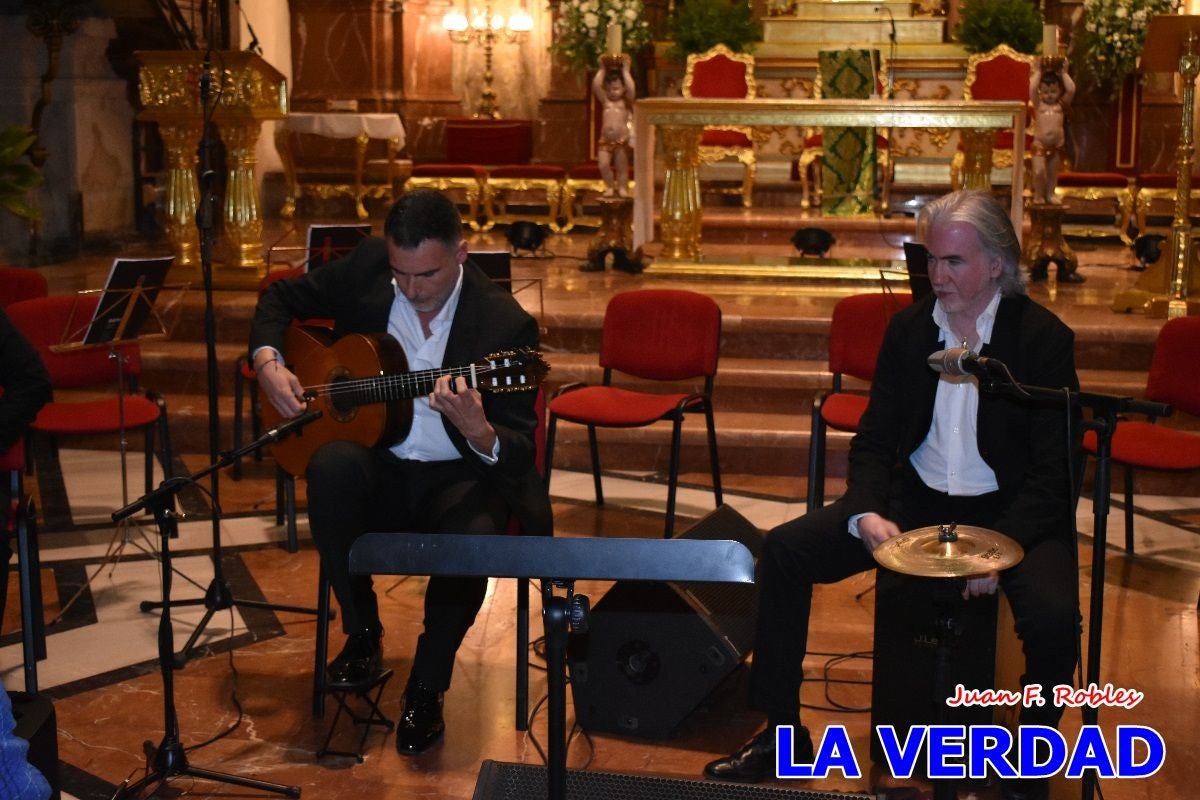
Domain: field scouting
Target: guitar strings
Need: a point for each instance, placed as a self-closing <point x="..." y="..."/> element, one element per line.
<point x="410" y="381"/>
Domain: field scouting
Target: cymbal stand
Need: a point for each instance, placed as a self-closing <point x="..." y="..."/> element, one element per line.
<point x="170" y="757"/>
<point x="218" y="596"/>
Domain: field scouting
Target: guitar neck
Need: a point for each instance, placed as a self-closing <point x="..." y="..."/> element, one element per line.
<point x="401" y="386"/>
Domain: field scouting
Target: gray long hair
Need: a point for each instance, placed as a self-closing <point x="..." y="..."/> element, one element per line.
<point x="983" y="212"/>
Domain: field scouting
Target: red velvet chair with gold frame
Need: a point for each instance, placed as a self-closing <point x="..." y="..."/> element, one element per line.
<point x="999" y="74"/>
<point x="716" y="73"/>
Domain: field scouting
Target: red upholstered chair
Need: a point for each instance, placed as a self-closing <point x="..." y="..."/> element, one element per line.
<point x="1174" y="379"/>
<point x="720" y="72"/>
<point x="245" y="380"/>
<point x="20" y="283"/>
<point x="45" y="321"/>
<point x="505" y="148"/>
<point x="21" y="519"/>
<point x="855" y="336"/>
<point x="999" y="74"/>
<point x="653" y="335"/>
<point x="1088" y="186"/>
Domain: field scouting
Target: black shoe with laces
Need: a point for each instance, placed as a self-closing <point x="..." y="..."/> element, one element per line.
<point x="420" y="725"/>
<point x="359" y="663"/>
<point x="755" y="761"/>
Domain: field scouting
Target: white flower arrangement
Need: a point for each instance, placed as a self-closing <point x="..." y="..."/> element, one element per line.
<point x="581" y="28"/>
<point x="1114" y="31"/>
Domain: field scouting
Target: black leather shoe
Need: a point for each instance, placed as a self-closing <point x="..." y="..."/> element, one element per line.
<point x="1025" y="789"/>
<point x="420" y="725"/>
<point x="359" y="663"/>
<point x="755" y="761"/>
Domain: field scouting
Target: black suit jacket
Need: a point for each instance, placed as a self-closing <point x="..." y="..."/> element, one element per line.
<point x="1022" y="441"/>
<point x="357" y="293"/>
<point x="24" y="384"/>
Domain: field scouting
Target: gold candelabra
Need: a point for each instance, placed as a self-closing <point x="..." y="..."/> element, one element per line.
<point x="487" y="29"/>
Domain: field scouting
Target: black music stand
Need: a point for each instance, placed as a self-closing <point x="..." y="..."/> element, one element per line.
<point x="125" y="306"/>
<point x="328" y="243"/>
<point x="558" y="563"/>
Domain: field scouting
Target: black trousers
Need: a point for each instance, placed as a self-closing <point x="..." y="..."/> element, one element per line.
<point x="1043" y="590"/>
<point x="354" y="490"/>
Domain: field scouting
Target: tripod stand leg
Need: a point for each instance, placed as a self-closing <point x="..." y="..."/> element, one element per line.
<point x="170" y="761"/>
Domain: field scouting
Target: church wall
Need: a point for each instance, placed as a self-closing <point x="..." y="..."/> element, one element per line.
<point x="86" y="129"/>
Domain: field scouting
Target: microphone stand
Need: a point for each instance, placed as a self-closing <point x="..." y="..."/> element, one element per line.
<point x="218" y="595"/>
<point x="1105" y="410"/>
<point x="170" y="757"/>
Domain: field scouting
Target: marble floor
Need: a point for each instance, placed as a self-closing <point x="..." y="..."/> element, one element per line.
<point x="249" y="680"/>
<point x="243" y="699"/>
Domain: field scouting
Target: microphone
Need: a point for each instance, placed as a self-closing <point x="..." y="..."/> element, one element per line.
<point x="961" y="361"/>
<point x="891" y="93"/>
<point x="891" y="21"/>
<point x="290" y="426"/>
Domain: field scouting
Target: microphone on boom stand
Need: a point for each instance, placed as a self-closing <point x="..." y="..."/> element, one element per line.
<point x="218" y="596"/>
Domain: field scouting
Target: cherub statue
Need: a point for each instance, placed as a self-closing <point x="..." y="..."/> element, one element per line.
<point x="613" y="87"/>
<point x="1051" y="91"/>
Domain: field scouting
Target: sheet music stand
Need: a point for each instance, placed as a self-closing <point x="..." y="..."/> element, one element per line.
<point x="558" y="563"/>
<point x="323" y="243"/>
<point x="125" y="305"/>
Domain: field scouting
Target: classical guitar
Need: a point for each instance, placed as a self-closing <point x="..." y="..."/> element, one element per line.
<point x="363" y="388"/>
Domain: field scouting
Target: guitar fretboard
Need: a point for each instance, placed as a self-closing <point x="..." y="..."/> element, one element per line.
<point x="486" y="377"/>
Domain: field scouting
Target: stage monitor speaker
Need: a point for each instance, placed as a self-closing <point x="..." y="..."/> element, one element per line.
<point x="654" y="650"/>
<point x="37" y="724"/>
<point x="907" y="637"/>
<point x="500" y="780"/>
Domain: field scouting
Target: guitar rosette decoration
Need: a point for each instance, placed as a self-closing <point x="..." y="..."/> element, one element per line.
<point x="581" y="26"/>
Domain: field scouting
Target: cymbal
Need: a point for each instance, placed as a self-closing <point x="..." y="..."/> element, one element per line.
<point x="948" y="551"/>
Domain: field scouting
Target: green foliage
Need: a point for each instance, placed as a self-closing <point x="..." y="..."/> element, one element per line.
<point x="17" y="178"/>
<point x="697" y="25"/>
<point x="984" y="24"/>
<point x="1112" y="38"/>
<point x="581" y="28"/>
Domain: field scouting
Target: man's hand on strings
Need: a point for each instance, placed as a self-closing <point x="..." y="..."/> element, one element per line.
<point x="281" y="386"/>
<point x="463" y="406"/>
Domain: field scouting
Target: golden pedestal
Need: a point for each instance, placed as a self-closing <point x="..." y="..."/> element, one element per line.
<point x="612" y="240"/>
<point x="247" y="90"/>
<point x="1046" y="245"/>
<point x="681" y="209"/>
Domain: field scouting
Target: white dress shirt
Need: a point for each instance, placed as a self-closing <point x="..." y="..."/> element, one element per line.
<point x="948" y="460"/>
<point x="427" y="440"/>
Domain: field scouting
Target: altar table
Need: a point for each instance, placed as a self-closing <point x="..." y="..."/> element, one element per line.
<point x="340" y="125"/>
<point x="682" y="120"/>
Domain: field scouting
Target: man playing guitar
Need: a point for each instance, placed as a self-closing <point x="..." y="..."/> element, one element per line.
<point x="464" y="464"/>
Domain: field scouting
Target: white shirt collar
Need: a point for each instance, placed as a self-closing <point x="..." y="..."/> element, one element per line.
<point x="983" y="323"/>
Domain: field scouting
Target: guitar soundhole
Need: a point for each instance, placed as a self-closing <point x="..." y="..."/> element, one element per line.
<point x="342" y="398"/>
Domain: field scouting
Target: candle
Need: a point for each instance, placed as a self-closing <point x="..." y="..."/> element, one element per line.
<point x="614" y="39"/>
<point x="1049" y="40"/>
